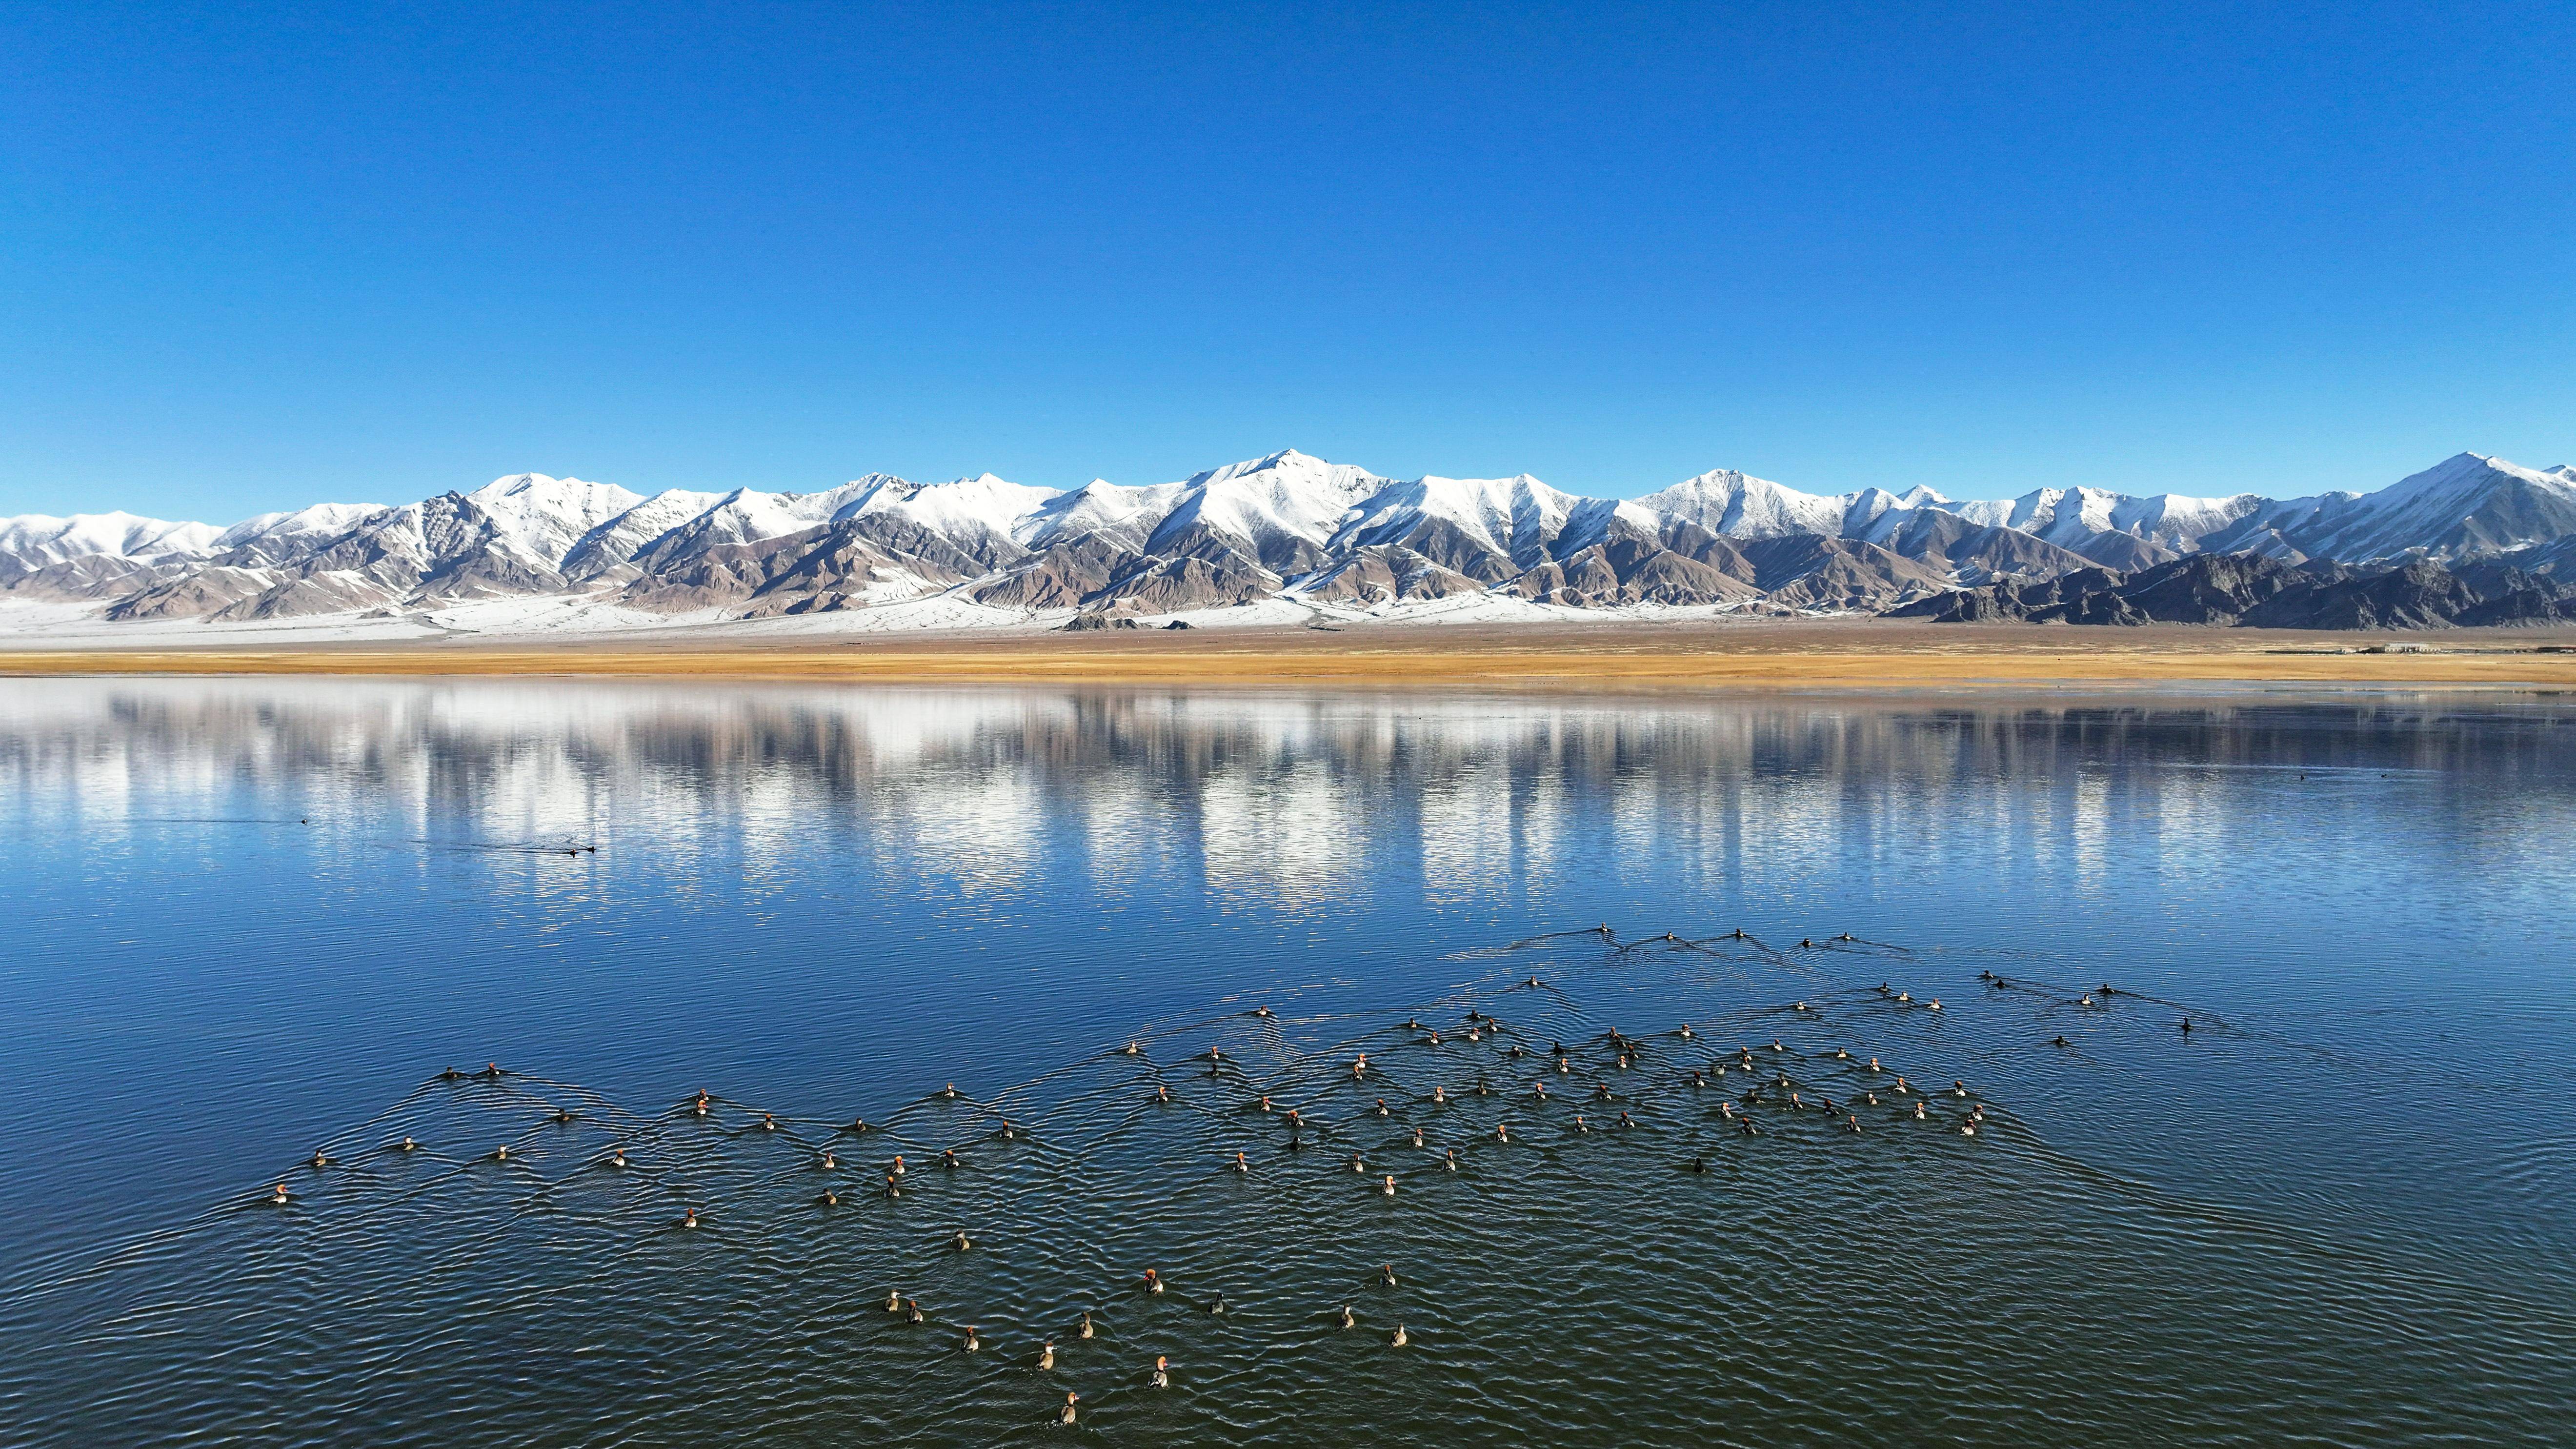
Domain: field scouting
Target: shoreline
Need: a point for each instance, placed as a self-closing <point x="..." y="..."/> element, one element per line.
<point x="1857" y="654"/>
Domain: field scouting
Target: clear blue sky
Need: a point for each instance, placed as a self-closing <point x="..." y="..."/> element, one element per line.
<point x="252" y="259"/>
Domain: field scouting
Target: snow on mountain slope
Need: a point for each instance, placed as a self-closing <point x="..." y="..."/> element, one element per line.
<point x="1275" y="503"/>
<point x="983" y="508"/>
<point x="1513" y="519"/>
<point x="272" y="538"/>
<point x="2069" y="517"/>
<point x="551" y="515"/>
<point x="1123" y="515"/>
<point x="614" y="544"/>
<point x="2466" y="505"/>
<point x="1735" y="505"/>
<point x="1287" y="529"/>
<point x="35" y="539"/>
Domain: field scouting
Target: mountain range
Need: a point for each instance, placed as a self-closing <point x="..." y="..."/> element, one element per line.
<point x="1289" y="528"/>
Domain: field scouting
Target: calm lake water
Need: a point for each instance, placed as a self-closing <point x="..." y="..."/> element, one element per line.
<point x="250" y="920"/>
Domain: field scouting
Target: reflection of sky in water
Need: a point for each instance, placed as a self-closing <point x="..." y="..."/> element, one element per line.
<point x="828" y="898"/>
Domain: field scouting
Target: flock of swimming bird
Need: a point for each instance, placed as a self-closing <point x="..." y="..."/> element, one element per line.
<point x="1402" y="1100"/>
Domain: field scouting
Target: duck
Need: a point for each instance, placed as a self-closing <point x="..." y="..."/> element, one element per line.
<point x="894" y="1301"/>
<point x="1348" y="1319"/>
<point x="912" y="1311"/>
<point x="1381" y="1107"/>
<point x="1386" y="1276"/>
<point x="1417" y="1138"/>
<point x="949" y="1091"/>
<point x="1851" y="1124"/>
<point x="1356" y="1164"/>
<point x="1161" y="1377"/>
<point x="278" y="1198"/>
<point x="1918" y="1112"/>
<point x="451" y="1074"/>
<point x="961" y="1242"/>
<point x="1698" y="1163"/>
<point x="1967" y="1129"/>
<point x="501" y="1153"/>
<point x="1241" y="1163"/>
<point x="1389" y="1189"/>
<point x="563" y="1115"/>
<point x="1450" y="1162"/>
<point x="948" y="1159"/>
<point x="768" y="1123"/>
<point x="1132" y="1049"/>
<point x="1359" y="1066"/>
<point x="1085" y="1330"/>
<point x="1065" y="1415"/>
<point x="893" y="1188"/>
<point x="616" y="1157"/>
<point x="1398" y="1338"/>
<point x="1538" y="1091"/>
<point x="1153" y="1281"/>
<point x="897" y="1170"/>
<point x="1502" y="1132"/>
<point x="1958" y="1089"/>
<point x="1216" y="1305"/>
<point x="2059" y="1041"/>
<point x="407" y="1145"/>
<point x="858" y="1125"/>
<point x="689" y="1218"/>
<point x="1936" y="1003"/>
<point x="1046" y="1357"/>
<point x="971" y="1344"/>
<point x="318" y="1160"/>
<point x="829" y="1198"/>
<point x="1261" y="1011"/>
<point x="828" y="1164"/>
<point x="1440" y="1095"/>
<point x="1162" y="1093"/>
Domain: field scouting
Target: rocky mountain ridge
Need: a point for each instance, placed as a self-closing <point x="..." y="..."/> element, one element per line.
<point x="1285" y="527"/>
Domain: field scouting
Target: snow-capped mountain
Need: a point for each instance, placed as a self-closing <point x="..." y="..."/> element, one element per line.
<point x="1288" y="527"/>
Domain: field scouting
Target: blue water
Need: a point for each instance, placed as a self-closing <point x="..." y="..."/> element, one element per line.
<point x="249" y="917"/>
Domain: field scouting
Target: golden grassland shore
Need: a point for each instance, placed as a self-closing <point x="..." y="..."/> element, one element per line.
<point x="1858" y="653"/>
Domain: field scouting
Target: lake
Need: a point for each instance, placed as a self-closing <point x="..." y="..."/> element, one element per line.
<point x="253" y="920"/>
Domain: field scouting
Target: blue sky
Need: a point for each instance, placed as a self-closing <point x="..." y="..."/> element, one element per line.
<point x="252" y="259"/>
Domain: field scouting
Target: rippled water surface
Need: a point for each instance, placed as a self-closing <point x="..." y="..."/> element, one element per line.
<point x="250" y="921"/>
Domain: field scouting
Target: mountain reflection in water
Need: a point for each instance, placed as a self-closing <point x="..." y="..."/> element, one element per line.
<point x="257" y="914"/>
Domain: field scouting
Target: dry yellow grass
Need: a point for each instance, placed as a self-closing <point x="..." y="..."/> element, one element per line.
<point x="1843" y="654"/>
